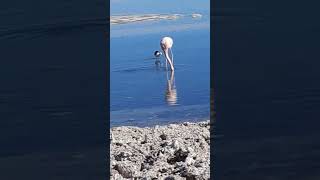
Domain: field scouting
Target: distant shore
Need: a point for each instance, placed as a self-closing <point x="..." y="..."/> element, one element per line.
<point x="175" y="151"/>
<point x="122" y="19"/>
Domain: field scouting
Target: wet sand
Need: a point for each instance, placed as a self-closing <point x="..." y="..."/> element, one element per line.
<point x="175" y="151"/>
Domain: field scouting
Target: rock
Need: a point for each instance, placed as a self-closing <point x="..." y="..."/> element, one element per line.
<point x="118" y="143"/>
<point x="203" y="144"/>
<point x="118" y="177"/>
<point x="122" y="155"/>
<point x="176" y="144"/>
<point x="179" y="156"/>
<point x="190" y="150"/>
<point x="145" y="139"/>
<point x="123" y="171"/>
<point x="163" y="136"/>
<point x="189" y="161"/>
<point x="169" y="178"/>
<point x="175" y="151"/>
<point x="186" y="123"/>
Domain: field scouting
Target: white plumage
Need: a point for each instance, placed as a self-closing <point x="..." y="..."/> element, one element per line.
<point x="166" y="43"/>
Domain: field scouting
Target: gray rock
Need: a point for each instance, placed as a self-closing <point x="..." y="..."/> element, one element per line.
<point x="175" y="151"/>
<point x="189" y="161"/>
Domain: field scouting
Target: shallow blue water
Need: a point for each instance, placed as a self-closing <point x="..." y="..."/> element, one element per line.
<point x="139" y="89"/>
<point x="124" y="7"/>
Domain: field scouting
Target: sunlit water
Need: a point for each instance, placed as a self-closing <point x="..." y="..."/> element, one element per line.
<point x="144" y="93"/>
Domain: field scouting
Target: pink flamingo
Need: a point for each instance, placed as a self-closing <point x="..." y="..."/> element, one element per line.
<point x="166" y="45"/>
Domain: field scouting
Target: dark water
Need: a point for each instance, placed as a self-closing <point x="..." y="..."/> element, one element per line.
<point x="144" y="94"/>
<point x="52" y="93"/>
<point x="267" y="90"/>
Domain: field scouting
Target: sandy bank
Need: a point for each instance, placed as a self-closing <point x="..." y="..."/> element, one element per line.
<point x="147" y="17"/>
<point x="176" y="151"/>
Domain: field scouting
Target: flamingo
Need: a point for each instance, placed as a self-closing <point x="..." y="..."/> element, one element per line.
<point x="166" y="45"/>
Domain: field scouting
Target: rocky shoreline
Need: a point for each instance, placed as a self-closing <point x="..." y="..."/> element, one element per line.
<point x="175" y="151"/>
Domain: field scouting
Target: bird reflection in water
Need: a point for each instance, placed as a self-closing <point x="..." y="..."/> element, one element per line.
<point x="171" y="91"/>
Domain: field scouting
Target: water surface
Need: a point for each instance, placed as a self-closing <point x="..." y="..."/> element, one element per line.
<point x="144" y="94"/>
